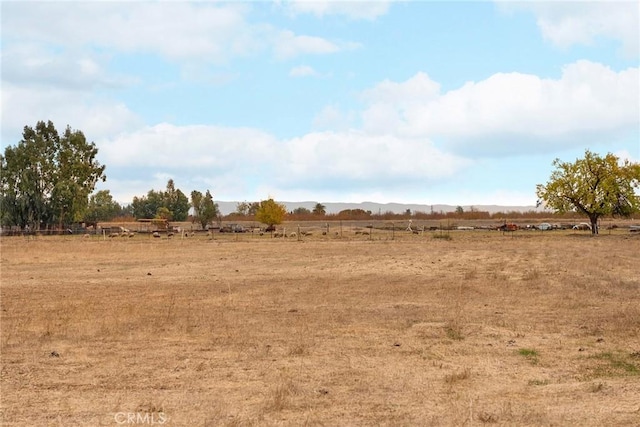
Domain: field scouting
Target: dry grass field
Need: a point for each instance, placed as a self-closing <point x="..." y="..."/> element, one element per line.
<point x="482" y="328"/>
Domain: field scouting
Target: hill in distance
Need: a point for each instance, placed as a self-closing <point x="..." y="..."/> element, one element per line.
<point x="375" y="208"/>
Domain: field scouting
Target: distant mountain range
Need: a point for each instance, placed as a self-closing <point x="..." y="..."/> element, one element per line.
<point x="375" y="208"/>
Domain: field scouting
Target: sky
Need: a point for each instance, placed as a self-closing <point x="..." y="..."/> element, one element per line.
<point x="428" y="102"/>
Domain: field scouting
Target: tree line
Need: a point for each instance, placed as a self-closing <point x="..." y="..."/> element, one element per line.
<point x="47" y="181"/>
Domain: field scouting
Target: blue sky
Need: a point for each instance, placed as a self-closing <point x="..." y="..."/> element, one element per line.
<point x="462" y="103"/>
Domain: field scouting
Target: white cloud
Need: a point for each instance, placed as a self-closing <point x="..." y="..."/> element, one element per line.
<point x="566" y="23"/>
<point x="194" y="147"/>
<point x="33" y="64"/>
<point x="302" y="71"/>
<point x="355" y="155"/>
<point x="287" y="44"/>
<point x="97" y="117"/>
<point x="388" y="101"/>
<point x="349" y="155"/>
<point x="417" y="89"/>
<point x="224" y="160"/>
<point x="204" y="31"/>
<point x="234" y="162"/>
<point x="359" y="9"/>
<point x="172" y="29"/>
<point x="511" y="112"/>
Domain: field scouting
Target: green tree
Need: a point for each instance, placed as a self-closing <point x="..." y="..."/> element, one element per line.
<point x="102" y="207"/>
<point x="459" y="210"/>
<point x="196" y="200"/>
<point x="354" y="213"/>
<point x="242" y="208"/>
<point x="253" y="208"/>
<point x="164" y="213"/>
<point x="126" y="210"/>
<point x="172" y="199"/>
<point x="177" y="202"/>
<point x="320" y="209"/>
<point x="46" y="179"/>
<point x="271" y="212"/>
<point x="205" y="209"/>
<point x="246" y="208"/>
<point x="147" y="206"/>
<point x="593" y="186"/>
<point x="301" y="211"/>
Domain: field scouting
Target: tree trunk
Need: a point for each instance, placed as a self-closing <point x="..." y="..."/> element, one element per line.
<point x="594" y="224"/>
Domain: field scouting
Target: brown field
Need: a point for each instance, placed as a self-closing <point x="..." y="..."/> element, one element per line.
<point x="480" y="328"/>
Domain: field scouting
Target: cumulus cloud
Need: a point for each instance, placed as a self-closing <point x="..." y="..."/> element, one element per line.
<point x="240" y="161"/>
<point x="174" y="30"/>
<point x="198" y="146"/>
<point x="417" y="89"/>
<point x="224" y="160"/>
<point x="97" y="117"/>
<point x="32" y="64"/>
<point x="566" y="23"/>
<point x="350" y="154"/>
<point x="511" y="112"/>
<point x="178" y="31"/>
<point x="355" y="155"/>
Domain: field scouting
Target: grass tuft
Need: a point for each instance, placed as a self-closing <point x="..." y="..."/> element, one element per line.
<point x="457" y="376"/>
<point x="531" y="274"/>
<point x="453" y="329"/>
<point x="280" y="396"/>
<point x="530" y="354"/>
<point x="611" y="364"/>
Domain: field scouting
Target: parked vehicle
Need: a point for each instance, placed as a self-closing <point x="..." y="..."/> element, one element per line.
<point x="508" y="227"/>
<point x="233" y="228"/>
<point x="545" y="226"/>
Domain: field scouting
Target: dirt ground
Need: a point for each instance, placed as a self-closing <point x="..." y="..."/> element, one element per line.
<point x="441" y="329"/>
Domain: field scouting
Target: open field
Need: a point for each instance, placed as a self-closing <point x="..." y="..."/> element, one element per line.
<point x="481" y="328"/>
